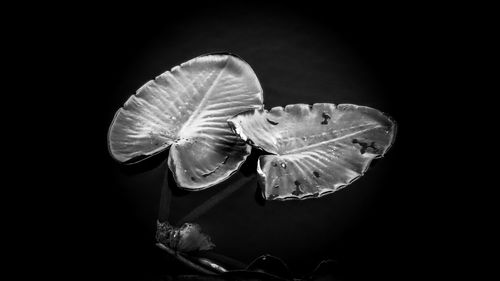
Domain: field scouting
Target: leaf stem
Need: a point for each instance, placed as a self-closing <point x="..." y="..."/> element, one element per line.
<point x="165" y="196"/>
<point x="184" y="260"/>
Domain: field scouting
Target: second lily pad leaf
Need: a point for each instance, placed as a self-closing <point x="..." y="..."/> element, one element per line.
<point x="187" y="108"/>
<point x="315" y="150"/>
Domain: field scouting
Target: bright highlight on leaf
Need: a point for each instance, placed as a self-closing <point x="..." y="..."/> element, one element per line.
<point x="187" y="108"/>
<point x="315" y="150"/>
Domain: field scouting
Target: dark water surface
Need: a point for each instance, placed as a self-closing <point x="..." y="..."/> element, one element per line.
<point x="369" y="228"/>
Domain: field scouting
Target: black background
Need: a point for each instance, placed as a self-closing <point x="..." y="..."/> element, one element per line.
<point x="100" y="218"/>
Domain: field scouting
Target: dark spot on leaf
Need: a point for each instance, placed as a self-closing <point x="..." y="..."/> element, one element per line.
<point x="272" y="196"/>
<point x="326" y="117"/>
<point x="272" y="122"/>
<point x="276" y="186"/>
<point x="193" y="179"/>
<point x="365" y="146"/>
<point x="275" y="164"/>
<point x="297" y="190"/>
<point x="316" y="174"/>
<point x="310" y="106"/>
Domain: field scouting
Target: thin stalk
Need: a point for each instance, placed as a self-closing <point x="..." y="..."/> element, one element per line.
<point x="184" y="260"/>
<point x="214" y="200"/>
<point x="166" y="197"/>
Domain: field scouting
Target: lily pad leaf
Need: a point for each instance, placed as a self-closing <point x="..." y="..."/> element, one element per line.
<point x="187" y="109"/>
<point x="314" y="150"/>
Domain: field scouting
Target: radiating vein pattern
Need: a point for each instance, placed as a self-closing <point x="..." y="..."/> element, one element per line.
<point x="315" y="150"/>
<point x="188" y="108"/>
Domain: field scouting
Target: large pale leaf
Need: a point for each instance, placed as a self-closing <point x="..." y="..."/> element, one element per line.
<point x="315" y="150"/>
<point x="187" y="108"/>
